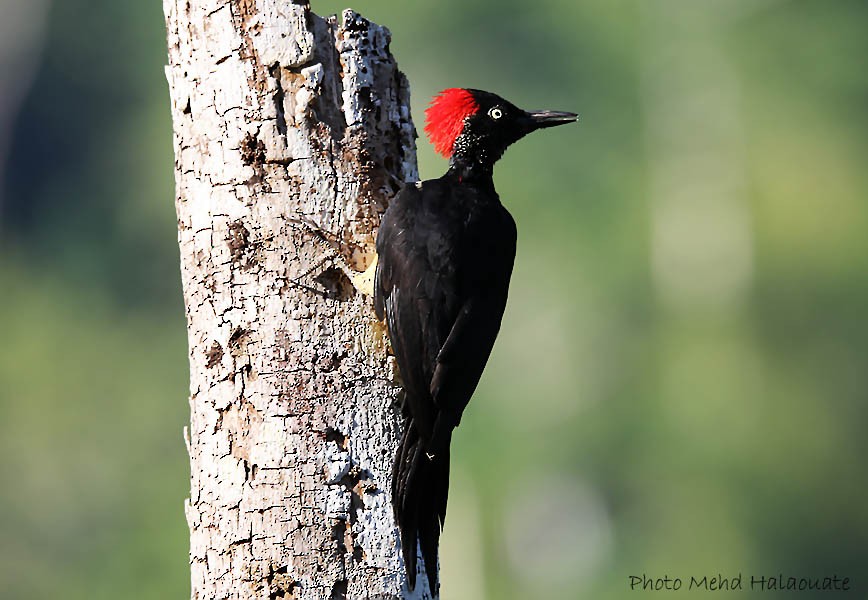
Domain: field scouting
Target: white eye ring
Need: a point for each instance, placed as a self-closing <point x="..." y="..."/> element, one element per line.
<point x="495" y="113"/>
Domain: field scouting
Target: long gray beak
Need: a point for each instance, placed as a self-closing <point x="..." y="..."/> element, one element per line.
<point x="550" y="118"/>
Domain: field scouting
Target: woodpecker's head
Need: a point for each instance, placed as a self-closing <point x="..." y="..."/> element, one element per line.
<point x="476" y="127"/>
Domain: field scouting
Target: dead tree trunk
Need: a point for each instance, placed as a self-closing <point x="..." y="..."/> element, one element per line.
<point x="280" y="115"/>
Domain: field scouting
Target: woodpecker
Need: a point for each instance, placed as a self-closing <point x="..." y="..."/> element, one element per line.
<point x="445" y="251"/>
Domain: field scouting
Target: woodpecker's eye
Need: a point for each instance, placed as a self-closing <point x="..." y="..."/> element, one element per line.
<point x="495" y="113"/>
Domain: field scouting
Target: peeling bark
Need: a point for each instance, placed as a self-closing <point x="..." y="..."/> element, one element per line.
<point x="280" y="115"/>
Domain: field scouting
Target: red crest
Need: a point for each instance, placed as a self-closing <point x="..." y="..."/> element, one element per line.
<point x="444" y="118"/>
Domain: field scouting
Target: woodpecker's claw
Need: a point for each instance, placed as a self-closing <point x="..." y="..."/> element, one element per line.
<point x="363" y="281"/>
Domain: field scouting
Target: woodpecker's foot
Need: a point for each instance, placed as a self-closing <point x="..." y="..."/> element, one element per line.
<point x="363" y="281"/>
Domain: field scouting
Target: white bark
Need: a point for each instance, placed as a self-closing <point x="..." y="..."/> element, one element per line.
<point x="279" y="114"/>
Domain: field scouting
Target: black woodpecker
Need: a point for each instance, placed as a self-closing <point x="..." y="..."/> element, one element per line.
<point x="445" y="253"/>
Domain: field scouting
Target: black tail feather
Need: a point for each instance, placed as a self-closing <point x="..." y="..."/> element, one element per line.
<point x="420" y="486"/>
<point x="405" y="465"/>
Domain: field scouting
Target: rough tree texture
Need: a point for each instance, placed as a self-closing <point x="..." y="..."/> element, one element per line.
<point x="280" y="114"/>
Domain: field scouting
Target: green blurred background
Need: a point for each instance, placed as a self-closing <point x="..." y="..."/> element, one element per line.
<point x="681" y="384"/>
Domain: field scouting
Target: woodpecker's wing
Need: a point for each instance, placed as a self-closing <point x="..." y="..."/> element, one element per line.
<point x="442" y="280"/>
<point x="415" y="291"/>
<point x="484" y="278"/>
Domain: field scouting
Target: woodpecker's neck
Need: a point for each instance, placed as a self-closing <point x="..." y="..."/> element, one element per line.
<point x="472" y="174"/>
<point x="475" y="154"/>
<point x="473" y="168"/>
